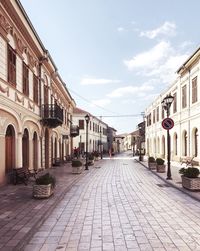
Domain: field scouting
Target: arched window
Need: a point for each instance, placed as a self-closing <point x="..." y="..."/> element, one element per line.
<point x="196" y="142"/>
<point x="184" y="143"/>
<point x="175" y="144"/>
<point x="163" y="146"/>
<point x="158" y="145"/>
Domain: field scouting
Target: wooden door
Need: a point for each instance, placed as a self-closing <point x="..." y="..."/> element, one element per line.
<point x="10" y="149"/>
<point x="46" y="96"/>
<point x="25" y="149"/>
<point x="46" y="149"/>
<point x="35" y="151"/>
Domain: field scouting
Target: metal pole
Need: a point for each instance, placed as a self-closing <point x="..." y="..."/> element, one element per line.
<point x="86" y="163"/>
<point x="101" y="145"/>
<point x="140" y="154"/>
<point x="169" y="176"/>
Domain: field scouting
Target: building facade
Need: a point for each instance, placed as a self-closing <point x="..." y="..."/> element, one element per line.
<point x="185" y="111"/>
<point x="35" y="105"/>
<point x="97" y="132"/>
<point x="112" y="144"/>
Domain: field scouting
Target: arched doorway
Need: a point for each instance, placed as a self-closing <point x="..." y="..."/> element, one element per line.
<point x="25" y="149"/>
<point x="10" y="149"/>
<point x="46" y="149"/>
<point x="35" y="151"/>
<point x="55" y="150"/>
<point x="163" y="146"/>
<point x="175" y="144"/>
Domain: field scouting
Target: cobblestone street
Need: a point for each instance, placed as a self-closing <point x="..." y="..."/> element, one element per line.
<point x="121" y="206"/>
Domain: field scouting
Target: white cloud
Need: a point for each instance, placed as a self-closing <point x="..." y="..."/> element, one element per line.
<point x="160" y="62"/>
<point x="130" y="90"/>
<point x="101" y="102"/>
<point x="120" y="29"/>
<point x="150" y="57"/>
<point x="98" y="81"/>
<point x="168" y="29"/>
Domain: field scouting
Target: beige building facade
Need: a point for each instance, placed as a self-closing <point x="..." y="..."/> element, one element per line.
<point x="97" y="132"/>
<point x="185" y="111"/>
<point x="35" y="105"/>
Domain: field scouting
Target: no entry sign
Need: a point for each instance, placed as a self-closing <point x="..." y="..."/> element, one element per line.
<point x="167" y="123"/>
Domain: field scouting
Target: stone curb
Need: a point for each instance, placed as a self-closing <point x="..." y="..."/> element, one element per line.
<point x="171" y="183"/>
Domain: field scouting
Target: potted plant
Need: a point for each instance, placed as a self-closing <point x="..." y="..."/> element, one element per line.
<point x="44" y="186"/>
<point x="190" y="179"/>
<point x="151" y="163"/>
<point x="160" y="166"/>
<point x="91" y="159"/>
<point x="76" y="166"/>
<point x="96" y="155"/>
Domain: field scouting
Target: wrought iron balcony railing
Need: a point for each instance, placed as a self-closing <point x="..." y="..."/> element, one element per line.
<point x="52" y="115"/>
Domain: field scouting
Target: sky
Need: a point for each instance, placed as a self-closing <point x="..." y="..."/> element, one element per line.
<point x="116" y="56"/>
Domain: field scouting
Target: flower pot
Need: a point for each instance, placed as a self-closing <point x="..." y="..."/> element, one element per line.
<point x="91" y="162"/>
<point x="42" y="191"/>
<point x="152" y="165"/>
<point x="192" y="184"/>
<point x="77" y="169"/>
<point x="160" y="168"/>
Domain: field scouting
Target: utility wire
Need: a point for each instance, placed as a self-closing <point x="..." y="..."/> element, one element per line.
<point x="88" y="101"/>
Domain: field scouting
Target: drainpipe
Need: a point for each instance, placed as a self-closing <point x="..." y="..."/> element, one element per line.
<point x="189" y="115"/>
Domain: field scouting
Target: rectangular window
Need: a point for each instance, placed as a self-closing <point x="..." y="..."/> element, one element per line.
<point x="194" y="90"/>
<point x="184" y="100"/>
<point x="11" y="66"/>
<point x="25" y="79"/>
<point x="35" y="89"/>
<point x="150" y="119"/>
<point x="157" y="113"/>
<point x="81" y="124"/>
<point x="175" y="103"/>
<point x="154" y="116"/>
<point x="163" y="113"/>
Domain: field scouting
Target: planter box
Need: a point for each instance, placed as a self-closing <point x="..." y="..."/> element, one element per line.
<point x="77" y="169"/>
<point x="90" y="162"/>
<point x="192" y="184"/>
<point x="152" y="165"/>
<point x="42" y="191"/>
<point x="160" y="168"/>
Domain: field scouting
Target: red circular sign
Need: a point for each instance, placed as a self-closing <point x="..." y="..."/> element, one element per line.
<point x="167" y="123"/>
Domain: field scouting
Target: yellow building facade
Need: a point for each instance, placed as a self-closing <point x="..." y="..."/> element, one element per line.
<point x="35" y="106"/>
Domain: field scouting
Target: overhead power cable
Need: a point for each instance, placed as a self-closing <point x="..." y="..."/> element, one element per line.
<point x="88" y="101"/>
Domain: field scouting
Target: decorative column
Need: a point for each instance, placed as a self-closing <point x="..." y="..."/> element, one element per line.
<point x="19" y="150"/>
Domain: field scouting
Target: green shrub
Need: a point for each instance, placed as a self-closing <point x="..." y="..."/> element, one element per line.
<point x="151" y="160"/>
<point x="160" y="161"/>
<point x="76" y="163"/>
<point x="190" y="172"/>
<point x="46" y="179"/>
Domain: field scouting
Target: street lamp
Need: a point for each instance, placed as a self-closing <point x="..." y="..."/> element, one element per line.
<point x="166" y="103"/>
<point x="101" y="145"/>
<point x="87" y="119"/>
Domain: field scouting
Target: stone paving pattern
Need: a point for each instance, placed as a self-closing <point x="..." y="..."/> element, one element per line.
<point x="21" y="215"/>
<point x="120" y="206"/>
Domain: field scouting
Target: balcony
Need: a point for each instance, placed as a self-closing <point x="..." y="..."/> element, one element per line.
<point x="52" y="115"/>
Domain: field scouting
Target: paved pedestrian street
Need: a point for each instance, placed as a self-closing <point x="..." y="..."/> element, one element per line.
<point x="121" y="206"/>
